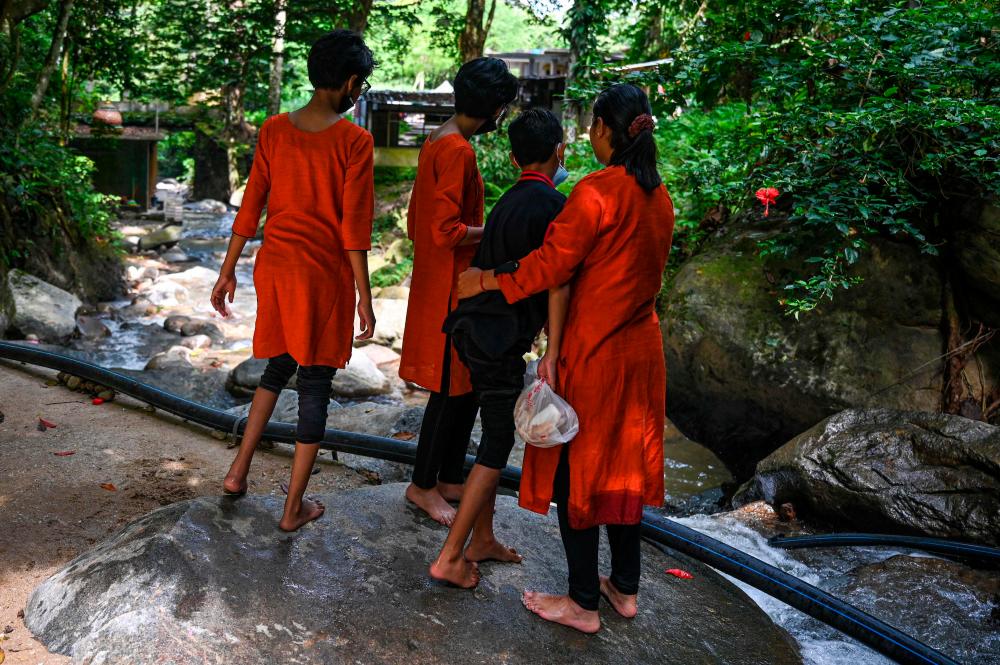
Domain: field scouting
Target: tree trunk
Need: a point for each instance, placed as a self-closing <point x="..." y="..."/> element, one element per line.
<point x="55" y="48"/>
<point x="357" y="18"/>
<point x="472" y="39"/>
<point x="277" y="58"/>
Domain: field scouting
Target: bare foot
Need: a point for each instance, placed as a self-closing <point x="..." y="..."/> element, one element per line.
<point x="432" y="503"/>
<point x="492" y="551"/>
<point x="451" y="491"/>
<point x="235" y="484"/>
<point x="627" y="606"/>
<point x="562" y="610"/>
<point x="309" y="511"/>
<point x="461" y="573"/>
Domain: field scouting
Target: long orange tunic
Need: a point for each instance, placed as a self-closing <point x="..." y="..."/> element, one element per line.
<point x="447" y="198"/>
<point x="319" y="190"/>
<point x="611" y="242"/>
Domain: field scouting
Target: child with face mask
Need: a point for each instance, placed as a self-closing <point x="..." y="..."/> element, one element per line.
<point x="492" y="336"/>
<point x="445" y="222"/>
<point x="314" y="171"/>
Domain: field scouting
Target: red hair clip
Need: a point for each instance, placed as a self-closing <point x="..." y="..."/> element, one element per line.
<point x="642" y="122"/>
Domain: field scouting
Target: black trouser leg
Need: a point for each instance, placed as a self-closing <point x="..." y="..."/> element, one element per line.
<point x="444" y="434"/>
<point x="580" y="545"/>
<point x="277" y="373"/>
<point x="314" y="385"/>
<point x="626" y="558"/>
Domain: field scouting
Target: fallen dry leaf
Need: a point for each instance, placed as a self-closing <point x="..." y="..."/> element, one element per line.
<point x="108" y="486"/>
<point x="404" y="436"/>
<point x="64" y="453"/>
<point x="46" y="423"/>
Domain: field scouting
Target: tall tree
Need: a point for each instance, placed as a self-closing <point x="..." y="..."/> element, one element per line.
<point x="277" y="57"/>
<point x="586" y="20"/>
<point x="55" y="49"/>
<point x="472" y="39"/>
<point x="356" y="16"/>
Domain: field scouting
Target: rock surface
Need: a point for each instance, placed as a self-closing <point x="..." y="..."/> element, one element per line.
<point x="213" y="580"/>
<point x="745" y="378"/>
<point x="40" y="308"/>
<point x="879" y="469"/>
<point x="166" y="236"/>
<point x="392" y="420"/>
<point x="286" y="409"/>
<point x="361" y="377"/>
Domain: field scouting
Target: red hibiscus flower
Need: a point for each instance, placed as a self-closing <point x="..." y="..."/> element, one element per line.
<point x="767" y="196"/>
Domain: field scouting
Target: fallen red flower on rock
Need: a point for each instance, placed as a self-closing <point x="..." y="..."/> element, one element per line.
<point x="677" y="572"/>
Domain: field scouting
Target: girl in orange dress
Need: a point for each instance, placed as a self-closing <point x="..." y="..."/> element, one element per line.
<point x="610" y="244"/>
<point x="445" y="221"/>
<point x="314" y="171"/>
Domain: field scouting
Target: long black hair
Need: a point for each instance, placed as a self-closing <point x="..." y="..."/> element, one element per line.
<point x="625" y="109"/>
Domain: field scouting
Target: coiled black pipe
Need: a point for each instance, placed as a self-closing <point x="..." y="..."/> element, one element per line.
<point x="800" y="595"/>
<point x="935" y="545"/>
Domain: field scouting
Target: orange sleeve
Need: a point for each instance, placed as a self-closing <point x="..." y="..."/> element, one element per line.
<point x="571" y="236"/>
<point x="359" y="195"/>
<point x="447" y="229"/>
<point x="258" y="185"/>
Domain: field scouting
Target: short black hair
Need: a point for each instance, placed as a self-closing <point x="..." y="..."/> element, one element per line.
<point x="482" y="86"/>
<point x="534" y="135"/>
<point x="336" y="57"/>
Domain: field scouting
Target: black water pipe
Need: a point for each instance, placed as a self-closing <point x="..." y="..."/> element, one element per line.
<point x="942" y="546"/>
<point x="793" y="591"/>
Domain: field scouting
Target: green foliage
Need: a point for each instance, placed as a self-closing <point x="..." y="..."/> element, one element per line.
<point x="173" y="156"/>
<point x="392" y="274"/>
<point x="493" y="157"/>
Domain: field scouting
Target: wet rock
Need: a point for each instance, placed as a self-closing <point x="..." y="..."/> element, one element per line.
<point x="391" y="420"/>
<point x="196" y="342"/>
<point x="139" y="273"/>
<point x="165" y="236"/>
<point x="948" y="605"/>
<point x="175" y="322"/>
<point x="175" y="255"/>
<point x="165" y="293"/>
<point x="207" y="205"/>
<point x="203" y="385"/>
<point x="40" y="308"/>
<point x="141" y="306"/>
<point x="745" y="378"/>
<point x="175" y="355"/>
<point x="353" y="587"/>
<point x="201" y="327"/>
<point x="92" y="327"/>
<point x="886" y="470"/>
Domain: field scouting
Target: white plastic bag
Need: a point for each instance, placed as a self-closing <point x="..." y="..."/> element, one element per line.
<point x="543" y="418"/>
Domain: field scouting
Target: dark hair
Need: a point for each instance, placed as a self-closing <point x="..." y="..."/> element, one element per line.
<point x="618" y="107"/>
<point x="482" y="86"/>
<point x="534" y="135"/>
<point x="336" y="57"/>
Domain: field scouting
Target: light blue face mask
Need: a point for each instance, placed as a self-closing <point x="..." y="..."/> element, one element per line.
<point x="560" y="175"/>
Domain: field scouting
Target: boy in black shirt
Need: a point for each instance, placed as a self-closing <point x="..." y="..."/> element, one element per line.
<point x="491" y="337"/>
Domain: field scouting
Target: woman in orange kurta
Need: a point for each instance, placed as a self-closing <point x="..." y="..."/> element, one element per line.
<point x="315" y="173"/>
<point x="445" y="222"/>
<point x="610" y="243"/>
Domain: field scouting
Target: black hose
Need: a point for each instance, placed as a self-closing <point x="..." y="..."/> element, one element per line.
<point x="935" y="545"/>
<point x="800" y="595"/>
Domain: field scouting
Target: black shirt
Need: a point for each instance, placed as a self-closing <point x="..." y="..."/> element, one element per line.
<point x="516" y="227"/>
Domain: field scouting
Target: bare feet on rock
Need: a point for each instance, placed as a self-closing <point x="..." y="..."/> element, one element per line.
<point x="310" y="510"/>
<point x="492" y="551"/>
<point x="562" y="610"/>
<point x="431" y="502"/>
<point x="234" y="484"/>
<point x="627" y="606"/>
<point x="451" y="491"/>
<point x="461" y="573"/>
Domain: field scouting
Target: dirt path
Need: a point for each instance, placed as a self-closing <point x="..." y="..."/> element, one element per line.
<point x="52" y="507"/>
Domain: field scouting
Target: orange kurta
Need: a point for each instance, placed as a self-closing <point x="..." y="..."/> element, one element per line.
<point x="611" y="242"/>
<point x="319" y="190"/>
<point x="447" y="199"/>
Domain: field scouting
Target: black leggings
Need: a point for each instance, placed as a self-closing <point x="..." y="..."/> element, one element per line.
<point x="444" y="434"/>
<point x="314" y="385"/>
<point x="582" y="548"/>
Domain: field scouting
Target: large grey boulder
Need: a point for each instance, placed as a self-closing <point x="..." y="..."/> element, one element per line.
<point x="165" y="236"/>
<point x="214" y="580"/>
<point x="40" y="308"/>
<point x="744" y="377"/>
<point x="886" y="470"/>
<point x="361" y="377"/>
<point x="390" y="420"/>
